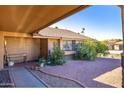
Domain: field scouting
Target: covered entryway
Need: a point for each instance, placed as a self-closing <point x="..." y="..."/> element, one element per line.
<point x="21" y="49"/>
<point x="24" y="20"/>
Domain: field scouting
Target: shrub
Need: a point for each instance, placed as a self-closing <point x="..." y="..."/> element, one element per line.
<point x="57" y="56"/>
<point x="48" y="61"/>
<point x="90" y="49"/>
<point x="101" y="48"/>
<point x="86" y="51"/>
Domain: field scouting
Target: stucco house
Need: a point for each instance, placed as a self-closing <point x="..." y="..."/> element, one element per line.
<point x="20" y="47"/>
<point x="17" y="23"/>
<point x="118" y="45"/>
<point x="117" y="49"/>
<point x="66" y="39"/>
<point x="115" y="44"/>
<point x="111" y="44"/>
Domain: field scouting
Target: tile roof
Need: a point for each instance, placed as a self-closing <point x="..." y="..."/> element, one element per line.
<point x="60" y="33"/>
<point x="119" y="43"/>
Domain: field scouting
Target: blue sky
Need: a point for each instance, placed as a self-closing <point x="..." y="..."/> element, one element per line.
<point x="100" y="22"/>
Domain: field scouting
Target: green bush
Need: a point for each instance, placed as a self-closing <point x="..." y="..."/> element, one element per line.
<point x="101" y="48"/>
<point x="48" y="61"/>
<point x="89" y="50"/>
<point x="86" y="51"/>
<point x="57" y="56"/>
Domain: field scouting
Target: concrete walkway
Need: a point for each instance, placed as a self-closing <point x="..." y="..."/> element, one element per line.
<point x="23" y="78"/>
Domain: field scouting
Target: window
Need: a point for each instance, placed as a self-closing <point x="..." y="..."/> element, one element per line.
<point x="55" y="43"/>
<point x="68" y="45"/>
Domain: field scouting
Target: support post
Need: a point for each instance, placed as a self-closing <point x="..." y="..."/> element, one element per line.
<point x="1" y="50"/>
<point x="122" y="55"/>
<point x="61" y="43"/>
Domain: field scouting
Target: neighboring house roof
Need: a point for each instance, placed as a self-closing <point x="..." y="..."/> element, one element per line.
<point x="115" y="51"/>
<point x="119" y="43"/>
<point x="59" y="33"/>
<point x="112" y="42"/>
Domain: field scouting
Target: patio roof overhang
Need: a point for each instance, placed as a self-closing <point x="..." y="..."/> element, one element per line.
<point x="31" y="18"/>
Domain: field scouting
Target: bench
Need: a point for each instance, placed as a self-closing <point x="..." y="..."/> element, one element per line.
<point x="16" y="58"/>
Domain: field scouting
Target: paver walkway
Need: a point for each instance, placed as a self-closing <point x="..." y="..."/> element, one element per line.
<point x="23" y="78"/>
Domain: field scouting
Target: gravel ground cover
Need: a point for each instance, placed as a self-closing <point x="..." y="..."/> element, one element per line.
<point x="54" y="81"/>
<point x="87" y="72"/>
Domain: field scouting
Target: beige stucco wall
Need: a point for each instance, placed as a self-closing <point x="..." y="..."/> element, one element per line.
<point x="51" y="44"/>
<point x="18" y="45"/>
<point x="61" y="43"/>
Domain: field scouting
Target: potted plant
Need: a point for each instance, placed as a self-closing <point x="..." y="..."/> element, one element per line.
<point x="41" y="62"/>
<point x="10" y="63"/>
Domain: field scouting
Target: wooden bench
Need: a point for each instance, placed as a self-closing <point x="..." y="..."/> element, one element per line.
<point x="16" y="57"/>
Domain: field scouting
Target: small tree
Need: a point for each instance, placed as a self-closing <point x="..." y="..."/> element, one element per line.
<point x="83" y="29"/>
<point x="57" y="56"/>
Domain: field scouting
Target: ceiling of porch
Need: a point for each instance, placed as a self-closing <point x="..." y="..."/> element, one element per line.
<point x="32" y="18"/>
